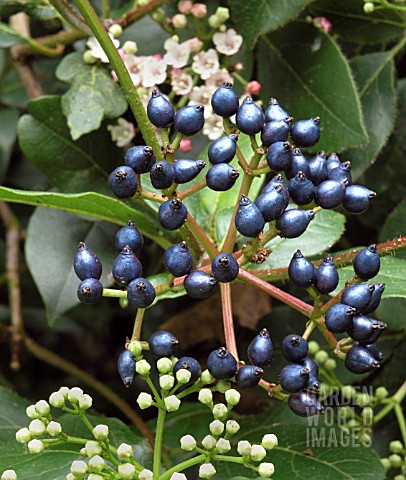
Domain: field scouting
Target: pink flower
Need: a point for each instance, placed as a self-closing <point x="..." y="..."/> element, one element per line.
<point x="186" y="145"/>
<point x="199" y="10"/>
<point x="154" y="72"/>
<point x="157" y="56"/>
<point x="121" y="52"/>
<point x="122" y="133"/>
<point x="254" y="88"/>
<point x="195" y="44"/>
<point x="177" y="54"/>
<point x="227" y="43"/>
<point x="323" y="23"/>
<point x="220" y="77"/>
<point x="206" y="64"/>
<point x="213" y="127"/>
<point x="181" y="82"/>
<point x="185" y="6"/>
<point x="134" y="66"/>
<point x="96" y="49"/>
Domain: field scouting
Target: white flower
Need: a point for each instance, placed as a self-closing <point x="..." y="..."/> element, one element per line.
<point x="202" y="96"/>
<point x="195" y="44"/>
<point x="206" y="64"/>
<point x="177" y="54"/>
<point x="122" y="133"/>
<point x="227" y="43"/>
<point x="154" y="72"/>
<point x="220" y="77"/>
<point x="213" y="127"/>
<point x="181" y="82"/>
<point x="96" y="49"/>
<point x="134" y="66"/>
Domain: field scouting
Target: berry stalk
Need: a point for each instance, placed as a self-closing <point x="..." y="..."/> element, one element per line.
<point x="228" y="322"/>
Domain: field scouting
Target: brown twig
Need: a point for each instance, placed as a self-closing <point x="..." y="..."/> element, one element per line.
<point x="133" y="15"/>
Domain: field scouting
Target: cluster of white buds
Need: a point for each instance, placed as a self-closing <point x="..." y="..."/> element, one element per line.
<point x="76" y="397"/>
<point x="257" y="453"/>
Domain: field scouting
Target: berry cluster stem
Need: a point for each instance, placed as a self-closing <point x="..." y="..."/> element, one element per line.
<point x="159" y="434"/>
<point x="138" y="324"/>
<point x="229" y="334"/>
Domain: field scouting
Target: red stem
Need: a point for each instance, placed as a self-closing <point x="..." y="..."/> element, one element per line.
<point x="225" y="290"/>
<point x="201" y="236"/>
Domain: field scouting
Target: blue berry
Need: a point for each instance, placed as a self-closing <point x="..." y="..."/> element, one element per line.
<point x="357" y="199"/>
<point x="374" y="351"/>
<point x="87" y="264"/>
<point x="129" y="235"/>
<point x="294" y="377"/>
<point x="301" y="189"/>
<point x="225" y="267"/>
<point x="223" y="150"/>
<point x="162" y="175"/>
<point x="342" y="172"/>
<point x="221" y="364"/>
<point x="367" y="263"/>
<point x="126" y="367"/>
<point x="189" y="120"/>
<point x="221" y="177"/>
<point x="301" y="271"/>
<point x="365" y="329"/>
<point x="330" y="193"/>
<point x="326" y="276"/>
<point x="274" y="111"/>
<point x="318" y="168"/>
<point x="294" y="348"/>
<point x="279" y="156"/>
<point x="172" y="214"/>
<point x="90" y="291"/>
<point x="199" y="284"/>
<point x="159" y="110"/>
<point x="249" y="220"/>
<point x="358" y="296"/>
<point x="163" y="344"/>
<point x="305" y="404"/>
<point x="260" y="350"/>
<point x="306" y="133"/>
<point x="250" y="117"/>
<point x="276" y="131"/>
<point x="248" y="376"/>
<point x="225" y="101"/>
<point x="276" y="180"/>
<point x="140" y="293"/>
<point x="299" y="163"/>
<point x="126" y="267"/>
<point x="140" y="158"/>
<point x="313" y="384"/>
<point x="273" y="203"/>
<point x="360" y="360"/>
<point x="123" y="182"/>
<point x="339" y="318"/>
<point x="178" y="260"/>
<point x="190" y="364"/>
<point x="292" y="223"/>
<point x="186" y="170"/>
<point x="333" y="162"/>
<point x="375" y="298"/>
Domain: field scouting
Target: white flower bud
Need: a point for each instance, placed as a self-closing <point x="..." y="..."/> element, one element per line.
<point x="166" y="382"/>
<point x="145" y="475"/>
<point x="223" y="445"/>
<point x="232" y="427"/>
<point x="172" y="403"/>
<point x="214" y="21"/>
<point x="101" y="432"/>
<point x="143" y="368"/>
<point x="124" y="451"/>
<point x="232" y="397"/>
<point x="85" y="402"/>
<point x="126" y="470"/>
<point x="97" y="463"/>
<point x="178" y="476"/>
<point x="369" y="7"/>
<point x="266" y="470"/>
<point x="35" y="446"/>
<point x="244" y="448"/>
<point x="43" y="408"/>
<point x="220" y="411"/>
<point x="223" y="13"/>
<point x="32" y="412"/>
<point x="9" y="475"/>
<point x="183" y="376"/>
<point x="207" y="378"/>
<point x="82" y="451"/>
<point x="70" y="476"/>
<point x="209" y="442"/>
<point x="74" y="395"/>
<point x="134" y="347"/>
<point x="37" y="427"/>
<point x="93" y="448"/>
<point x="206" y="396"/>
<point x="64" y="391"/>
<point x="78" y="468"/>
<point x="269" y="441"/>
<point x="56" y="399"/>
<point x="207" y="470"/>
<point x="54" y="429"/>
<point x="188" y="443"/>
<point x="179" y="20"/>
<point x="116" y="30"/>
<point x="223" y="386"/>
<point x="216" y="427"/>
<point x="94" y="476"/>
<point x="144" y="400"/>
<point x="131" y="48"/>
<point x="164" y="365"/>
<point x="23" y="435"/>
<point x="257" y="453"/>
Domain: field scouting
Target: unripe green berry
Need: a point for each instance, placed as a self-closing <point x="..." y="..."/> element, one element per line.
<point x="143" y="368"/>
<point x="164" y="365"/>
<point x="396" y="446"/>
<point x="144" y="400"/>
<point x="32" y="412"/>
<point x="381" y="393"/>
<point x="126" y="470"/>
<point x="314" y="347"/>
<point x="172" y="403"/>
<point x="269" y="441"/>
<point x="85" y="402"/>
<point x="244" y="448"/>
<point x="223" y="13"/>
<point x="54" y="429"/>
<point x="131" y="48"/>
<point x="124" y="451"/>
<point x="166" y="382"/>
<point x="116" y="30"/>
<point x="216" y="427"/>
<point x="93" y="448"/>
<point x="23" y="435"/>
<point x="346" y="412"/>
<point x="348" y="391"/>
<point x="223" y="445"/>
<point x="35" y="446"/>
<point x="101" y="432"/>
<point x="363" y="399"/>
<point x="367" y="415"/>
<point x="257" y="453"/>
<point x="395" y="460"/>
<point x="207" y="378"/>
<point x="220" y="411"/>
<point x="353" y="423"/>
<point x="56" y="399"/>
<point x="74" y="395"/>
<point x="145" y="475"/>
<point x="135" y="347"/>
<point x="183" y="376"/>
<point x="232" y="427"/>
<point x="97" y="464"/>
<point x="206" y="396"/>
<point x="158" y="15"/>
<point x="188" y="443"/>
<point x="214" y="21"/>
<point x="365" y="438"/>
<point x="386" y="464"/>
<point x="369" y="7"/>
<point x="266" y="470"/>
<point x="330" y="364"/>
<point x="321" y="356"/>
<point x="37" y="427"/>
<point x="209" y="442"/>
<point x="232" y="397"/>
<point x="9" y="475"/>
<point x="207" y="470"/>
<point x="43" y="408"/>
<point x="223" y="386"/>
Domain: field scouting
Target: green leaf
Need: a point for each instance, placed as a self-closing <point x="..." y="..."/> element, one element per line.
<point x="321" y="234"/>
<point x="374" y="75"/>
<point x="352" y="23"/>
<point x="8" y="133"/>
<point x="301" y="66"/>
<point x="92" y="97"/>
<point x="38" y="9"/>
<point x="92" y="204"/>
<point x="9" y="36"/>
<point x="394" y="225"/>
<point x="258" y="18"/>
<point x="71" y="166"/>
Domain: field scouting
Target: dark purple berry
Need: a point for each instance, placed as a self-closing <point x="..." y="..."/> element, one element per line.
<point x="305" y="404"/>
<point x="365" y="329"/>
<point x="292" y="223"/>
<point x="279" y="156"/>
<point x="301" y="271"/>
<point x="333" y="162"/>
<point x="318" y="168"/>
<point x="374" y="351"/>
<point x="295" y="348"/>
<point x="294" y="377"/>
<point x="306" y="133"/>
<point x="273" y="203"/>
<point x="260" y="350"/>
<point x="172" y="214"/>
<point x="190" y="364"/>
<point x="276" y="131"/>
<point x="326" y="276"/>
<point x="186" y="170"/>
<point x="358" y="296"/>
<point x="330" y="193"/>
<point x="313" y="384"/>
<point x="140" y="293"/>
<point x="199" y="284"/>
<point x="90" y="291"/>
<point x="248" y="376"/>
<point x="163" y="344"/>
<point x="250" y="117"/>
<point x="301" y="189"/>
<point x="225" y="267"/>
<point x="275" y="112"/>
<point x="159" y="110"/>
<point x="87" y="264"/>
<point x="367" y="263"/>
<point x="357" y="199"/>
<point x="221" y="177"/>
<point x="221" y="364"/>
<point x="298" y="164"/>
<point x="189" y="120"/>
<point x="249" y="220"/>
<point x="375" y="298"/>
<point x="162" y="175"/>
<point x="178" y="260"/>
<point x="342" y="172"/>
<point x="140" y="158"/>
<point x="276" y="180"/>
<point x="126" y="267"/>
<point x="129" y="235"/>
<point x="126" y="367"/>
<point x="123" y="182"/>
<point x="360" y="360"/>
<point x="225" y="101"/>
<point x="339" y="318"/>
<point x="223" y="150"/>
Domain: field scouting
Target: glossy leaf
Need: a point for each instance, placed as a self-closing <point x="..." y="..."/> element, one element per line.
<point x="92" y="97"/>
<point x="301" y="66"/>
